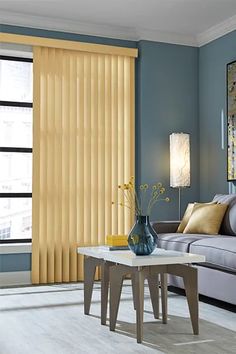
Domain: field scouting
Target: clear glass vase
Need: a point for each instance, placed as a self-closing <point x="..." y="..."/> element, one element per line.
<point x="142" y="239"/>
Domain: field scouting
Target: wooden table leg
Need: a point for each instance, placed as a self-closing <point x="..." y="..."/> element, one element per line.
<point x="153" y="283"/>
<point x="189" y="275"/>
<point x="191" y="289"/>
<point x="90" y="265"/>
<point x="133" y="289"/>
<point x="104" y="290"/>
<point x="164" y="297"/>
<point x="117" y="274"/>
<point x="139" y="293"/>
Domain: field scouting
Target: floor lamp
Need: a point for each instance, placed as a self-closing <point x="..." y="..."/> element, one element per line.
<point x="179" y="163"/>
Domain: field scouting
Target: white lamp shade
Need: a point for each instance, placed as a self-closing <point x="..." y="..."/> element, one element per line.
<point x="179" y="160"/>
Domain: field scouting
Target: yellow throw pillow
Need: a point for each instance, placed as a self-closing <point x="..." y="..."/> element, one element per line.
<point x="206" y="219"/>
<point x="186" y="217"/>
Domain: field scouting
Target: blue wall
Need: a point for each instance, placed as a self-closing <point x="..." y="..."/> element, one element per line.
<point x="15" y="262"/>
<point x="167" y="101"/>
<point x="213" y="58"/>
<point x="66" y="36"/>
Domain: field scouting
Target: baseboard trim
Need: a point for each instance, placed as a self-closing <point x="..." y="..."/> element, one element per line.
<point x="15" y="278"/>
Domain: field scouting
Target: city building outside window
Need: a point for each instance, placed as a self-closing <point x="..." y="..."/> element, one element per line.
<point x="16" y="102"/>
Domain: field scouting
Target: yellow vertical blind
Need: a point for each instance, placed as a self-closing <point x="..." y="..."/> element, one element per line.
<point x="83" y="148"/>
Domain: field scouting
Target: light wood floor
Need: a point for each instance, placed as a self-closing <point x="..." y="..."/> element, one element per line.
<point x="50" y="319"/>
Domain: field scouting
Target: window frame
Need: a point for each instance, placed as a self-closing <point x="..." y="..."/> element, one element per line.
<point x="16" y="149"/>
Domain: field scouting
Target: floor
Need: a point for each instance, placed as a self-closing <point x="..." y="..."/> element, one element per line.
<point x="50" y="319"/>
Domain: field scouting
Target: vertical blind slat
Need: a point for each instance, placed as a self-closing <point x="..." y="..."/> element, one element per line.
<point x="73" y="167"/>
<point x="50" y="137"/>
<point x="108" y="155"/>
<point x="94" y="188"/>
<point x="43" y="160"/>
<point x="65" y="167"/>
<point x="80" y="149"/>
<point x="87" y="149"/>
<point x="101" y="203"/>
<point x="120" y="114"/>
<point x="114" y="142"/>
<point x="58" y="168"/>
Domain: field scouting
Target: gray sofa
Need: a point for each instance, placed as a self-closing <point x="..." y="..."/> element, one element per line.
<point x="217" y="276"/>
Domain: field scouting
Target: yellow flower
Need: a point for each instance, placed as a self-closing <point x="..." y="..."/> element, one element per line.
<point x="138" y="202"/>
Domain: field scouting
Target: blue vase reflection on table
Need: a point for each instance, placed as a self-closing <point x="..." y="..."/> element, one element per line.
<point x="142" y="239"/>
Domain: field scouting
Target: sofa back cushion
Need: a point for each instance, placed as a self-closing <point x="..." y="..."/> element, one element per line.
<point x="228" y="226"/>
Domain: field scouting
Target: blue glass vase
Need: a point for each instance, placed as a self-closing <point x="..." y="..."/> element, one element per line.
<point x="142" y="239"/>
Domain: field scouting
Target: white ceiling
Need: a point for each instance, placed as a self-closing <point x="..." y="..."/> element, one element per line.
<point x="190" y="22"/>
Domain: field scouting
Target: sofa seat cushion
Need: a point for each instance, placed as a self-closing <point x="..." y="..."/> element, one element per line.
<point x="220" y="251"/>
<point x="178" y="241"/>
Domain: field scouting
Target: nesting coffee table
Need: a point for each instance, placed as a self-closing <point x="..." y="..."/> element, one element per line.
<point x="116" y="265"/>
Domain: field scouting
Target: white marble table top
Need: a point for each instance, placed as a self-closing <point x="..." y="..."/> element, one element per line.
<point x="158" y="257"/>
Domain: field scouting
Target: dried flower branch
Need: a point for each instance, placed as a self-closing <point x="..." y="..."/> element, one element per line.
<point x="139" y="202"/>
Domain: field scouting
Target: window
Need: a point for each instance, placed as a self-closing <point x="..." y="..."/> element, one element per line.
<point x="16" y="99"/>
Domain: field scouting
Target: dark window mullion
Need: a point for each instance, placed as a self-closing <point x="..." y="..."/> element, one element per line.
<point x="15" y="149"/>
<point x="16" y="104"/>
<point x="16" y="195"/>
<point x="16" y="240"/>
<point x="12" y="58"/>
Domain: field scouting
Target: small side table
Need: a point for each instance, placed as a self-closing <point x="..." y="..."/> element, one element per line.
<point x="116" y="265"/>
<point x="90" y="266"/>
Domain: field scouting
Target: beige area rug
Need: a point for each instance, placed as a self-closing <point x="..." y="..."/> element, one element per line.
<point x="50" y="319"/>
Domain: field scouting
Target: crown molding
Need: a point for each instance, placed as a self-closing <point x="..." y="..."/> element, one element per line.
<point x="166" y="37"/>
<point x="217" y="31"/>
<point x="101" y="30"/>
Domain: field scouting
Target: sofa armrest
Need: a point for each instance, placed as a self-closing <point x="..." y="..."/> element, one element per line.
<point x="165" y="227"/>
